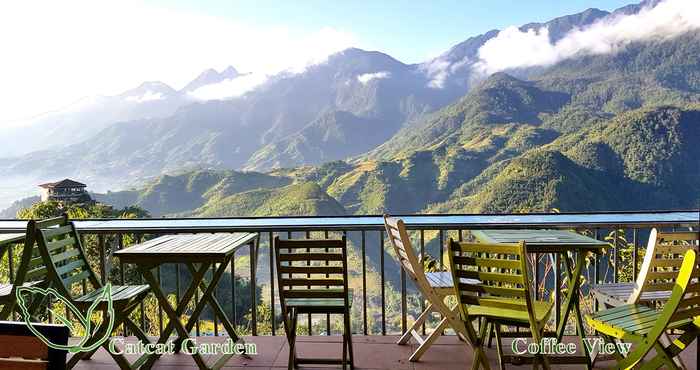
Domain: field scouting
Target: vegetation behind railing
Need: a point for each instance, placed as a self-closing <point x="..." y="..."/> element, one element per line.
<point x="385" y="302"/>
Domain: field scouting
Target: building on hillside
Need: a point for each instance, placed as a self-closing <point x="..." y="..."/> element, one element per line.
<point x="65" y="191"/>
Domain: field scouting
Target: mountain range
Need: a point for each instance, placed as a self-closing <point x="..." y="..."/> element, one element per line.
<point x="365" y="133"/>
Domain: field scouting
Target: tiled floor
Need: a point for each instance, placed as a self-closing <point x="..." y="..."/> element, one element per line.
<point x="371" y="352"/>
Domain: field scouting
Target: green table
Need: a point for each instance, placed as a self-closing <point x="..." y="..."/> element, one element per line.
<point x="566" y="244"/>
<point x="199" y="252"/>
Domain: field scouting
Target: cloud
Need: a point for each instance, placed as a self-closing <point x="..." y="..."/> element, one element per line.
<point x="229" y="88"/>
<point x="57" y="52"/>
<point x="367" y="77"/>
<point x="147" y="96"/>
<point x="437" y="70"/>
<point x="513" y="48"/>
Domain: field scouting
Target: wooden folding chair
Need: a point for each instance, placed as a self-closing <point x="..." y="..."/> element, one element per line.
<point x="648" y="289"/>
<point x="20" y="349"/>
<point x="434" y="287"/>
<point x="30" y="272"/>
<point x="312" y="276"/>
<point x="644" y="326"/>
<point x="501" y="297"/>
<point x="69" y="272"/>
<point x="642" y="290"/>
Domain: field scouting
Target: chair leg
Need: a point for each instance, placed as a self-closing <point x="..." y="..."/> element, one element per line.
<point x="416" y="325"/>
<point x="499" y="347"/>
<point x="661" y="359"/>
<point x="428" y="341"/>
<point x="291" y="338"/>
<point x="480" y="359"/>
<point x="344" y="359"/>
<point x="491" y="332"/>
<point x="348" y="334"/>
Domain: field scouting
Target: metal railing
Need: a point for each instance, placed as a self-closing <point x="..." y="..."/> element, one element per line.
<point x="383" y="309"/>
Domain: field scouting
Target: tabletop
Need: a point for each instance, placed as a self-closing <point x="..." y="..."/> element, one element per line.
<point x="543" y="240"/>
<point x="184" y="248"/>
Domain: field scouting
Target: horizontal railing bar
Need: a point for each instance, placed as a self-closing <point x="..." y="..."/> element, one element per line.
<point x="629" y="219"/>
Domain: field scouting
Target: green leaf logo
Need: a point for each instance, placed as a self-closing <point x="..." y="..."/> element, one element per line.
<point x="104" y="296"/>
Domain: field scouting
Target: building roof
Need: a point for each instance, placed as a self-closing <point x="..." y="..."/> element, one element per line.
<point x="65" y="183"/>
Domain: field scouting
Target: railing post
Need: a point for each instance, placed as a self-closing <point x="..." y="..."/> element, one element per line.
<point x="635" y="252"/>
<point x="615" y="264"/>
<point x="364" y="282"/>
<point x="422" y="264"/>
<point x="253" y="284"/>
<point x="328" y="316"/>
<point x="272" y="282"/>
<point x="103" y="262"/>
<point x="557" y="286"/>
<point x="381" y="263"/>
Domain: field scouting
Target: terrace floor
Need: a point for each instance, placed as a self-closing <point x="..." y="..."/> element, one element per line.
<point x="371" y="352"/>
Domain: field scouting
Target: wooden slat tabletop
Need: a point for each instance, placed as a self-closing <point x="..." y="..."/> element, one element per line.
<point x="541" y="241"/>
<point x="183" y="248"/>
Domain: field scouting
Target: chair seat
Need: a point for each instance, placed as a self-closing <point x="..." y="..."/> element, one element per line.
<point x="319" y="305"/>
<point x="443" y="280"/>
<point x="489" y="309"/>
<point x="6" y="289"/>
<point x="120" y="294"/>
<point x="617" y="294"/>
<point x="439" y="280"/>
<point x="629" y="319"/>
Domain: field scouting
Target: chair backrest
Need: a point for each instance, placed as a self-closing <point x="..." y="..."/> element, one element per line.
<point x="21" y="349"/>
<point x="398" y="237"/>
<point x="500" y="276"/>
<point x="664" y="256"/>
<point x="308" y="268"/>
<point x="31" y="266"/>
<point x="674" y="310"/>
<point x="61" y="249"/>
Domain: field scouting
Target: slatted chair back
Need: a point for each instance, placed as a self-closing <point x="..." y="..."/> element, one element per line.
<point x="31" y="267"/>
<point x="31" y="271"/>
<point x="500" y="277"/>
<point x="60" y="246"/>
<point x="315" y="270"/>
<point x="400" y="241"/>
<point x="663" y="258"/>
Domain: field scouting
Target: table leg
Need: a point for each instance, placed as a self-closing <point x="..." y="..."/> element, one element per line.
<point x="572" y="302"/>
<point x="173" y="314"/>
<point x="214" y="303"/>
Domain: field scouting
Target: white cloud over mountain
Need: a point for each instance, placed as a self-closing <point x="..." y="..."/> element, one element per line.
<point x="367" y="77"/>
<point x="513" y="48"/>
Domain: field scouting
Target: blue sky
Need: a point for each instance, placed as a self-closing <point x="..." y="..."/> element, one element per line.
<point x="411" y="31"/>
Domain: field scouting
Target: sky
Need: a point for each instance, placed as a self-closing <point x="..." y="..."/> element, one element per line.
<point x="55" y="53"/>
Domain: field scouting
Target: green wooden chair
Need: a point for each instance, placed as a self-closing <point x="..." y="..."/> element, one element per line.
<point x="313" y="279"/>
<point x="30" y="272"/>
<point x="69" y="272"/>
<point x="501" y="298"/>
<point x="644" y="326"/>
